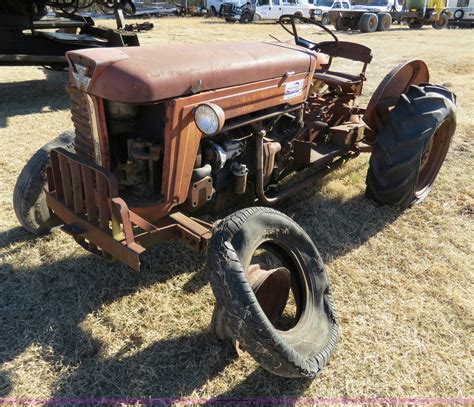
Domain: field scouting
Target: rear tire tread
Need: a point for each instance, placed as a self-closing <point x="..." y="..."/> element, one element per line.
<point x="394" y="163"/>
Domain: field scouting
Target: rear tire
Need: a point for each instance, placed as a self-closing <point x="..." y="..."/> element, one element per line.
<point x="29" y="200"/>
<point x="368" y="23"/>
<point x="415" y="24"/>
<point x="411" y="146"/>
<point x="441" y="23"/>
<point x="303" y="349"/>
<point x="342" y="24"/>
<point x="246" y="18"/>
<point x="385" y="22"/>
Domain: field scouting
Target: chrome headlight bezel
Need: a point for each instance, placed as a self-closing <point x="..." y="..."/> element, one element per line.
<point x="209" y="118"/>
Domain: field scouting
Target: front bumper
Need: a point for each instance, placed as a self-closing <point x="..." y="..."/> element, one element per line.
<point x="84" y="198"/>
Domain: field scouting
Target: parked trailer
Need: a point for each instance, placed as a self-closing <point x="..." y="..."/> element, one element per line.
<point x="462" y="13"/>
<point x="416" y="14"/>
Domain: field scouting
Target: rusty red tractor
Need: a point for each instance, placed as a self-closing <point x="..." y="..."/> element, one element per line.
<point x="164" y="135"/>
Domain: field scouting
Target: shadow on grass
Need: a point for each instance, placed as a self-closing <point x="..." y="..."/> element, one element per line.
<point x="34" y="96"/>
<point x="46" y="305"/>
<point x="16" y="235"/>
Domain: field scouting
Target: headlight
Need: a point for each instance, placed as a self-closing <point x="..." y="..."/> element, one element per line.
<point x="209" y="118"/>
<point x="318" y="12"/>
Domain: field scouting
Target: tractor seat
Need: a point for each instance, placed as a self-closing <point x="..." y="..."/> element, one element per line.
<point x="348" y="50"/>
<point x="345" y="81"/>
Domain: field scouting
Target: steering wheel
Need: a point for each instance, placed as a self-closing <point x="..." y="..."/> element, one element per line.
<point x="289" y="19"/>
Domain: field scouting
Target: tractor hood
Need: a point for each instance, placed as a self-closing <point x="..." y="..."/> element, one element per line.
<point x="149" y="74"/>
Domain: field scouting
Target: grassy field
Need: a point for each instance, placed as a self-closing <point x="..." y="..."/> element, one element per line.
<point x="73" y="326"/>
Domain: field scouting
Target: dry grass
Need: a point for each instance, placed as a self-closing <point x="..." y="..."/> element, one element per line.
<point x="71" y="325"/>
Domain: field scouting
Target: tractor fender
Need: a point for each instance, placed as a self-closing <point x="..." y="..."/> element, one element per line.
<point x="396" y="82"/>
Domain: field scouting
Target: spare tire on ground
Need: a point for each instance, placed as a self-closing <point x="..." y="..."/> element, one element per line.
<point x="295" y="340"/>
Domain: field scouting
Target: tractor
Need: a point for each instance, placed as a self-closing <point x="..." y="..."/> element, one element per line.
<point x="166" y="135"/>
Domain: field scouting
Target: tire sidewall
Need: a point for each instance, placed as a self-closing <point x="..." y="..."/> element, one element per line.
<point x="243" y="309"/>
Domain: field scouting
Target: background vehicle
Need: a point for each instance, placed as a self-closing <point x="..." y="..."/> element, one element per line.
<point x="234" y="123"/>
<point x="274" y="9"/>
<point x="368" y="18"/>
<point x="320" y="12"/>
<point x="243" y="13"/>
<point x="214" y="7"/>
<point x="462" y="13"/>
<point x="256" y="10"/>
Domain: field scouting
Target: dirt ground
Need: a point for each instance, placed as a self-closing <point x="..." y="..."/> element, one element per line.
<point x="73" y="326"/>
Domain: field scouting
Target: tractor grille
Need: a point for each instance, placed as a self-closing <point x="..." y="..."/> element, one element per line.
<point x="83" y="143"/>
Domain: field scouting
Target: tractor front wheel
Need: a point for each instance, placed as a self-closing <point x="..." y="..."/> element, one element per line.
<point x="411" y="146"/>
<point x="273" y="293"/>
<point x="29" y="200"/>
